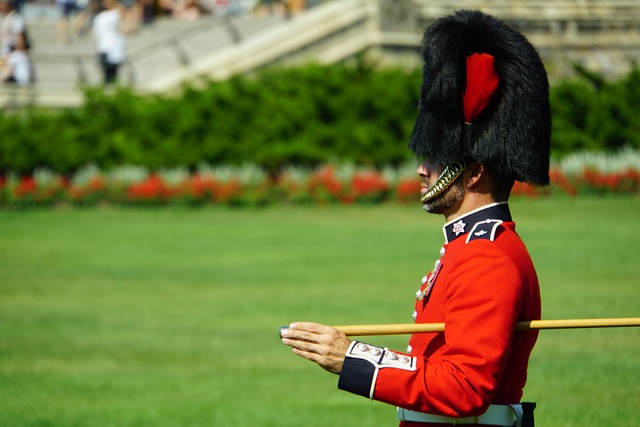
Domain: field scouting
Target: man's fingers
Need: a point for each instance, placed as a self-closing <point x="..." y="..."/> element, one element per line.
<point x="315" y="328"/>
<point x="312" y="332"/>
<point x="294" y="338"/>
<point x="306" y="354"/>
<point x="322" y="344"/>
<point x="307" y="326"/>
<point x="306" y="342"/>
<point x="325" y="361"/>
<point x="296" y="335"/>
<point x="298" y="343"/>
<point x="303" y="331"/>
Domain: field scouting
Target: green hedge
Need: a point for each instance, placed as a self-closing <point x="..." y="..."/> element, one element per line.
<point x="593" y="114"/>
<point x="304" y="116"/>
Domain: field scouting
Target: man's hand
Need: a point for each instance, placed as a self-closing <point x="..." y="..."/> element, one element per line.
<point x="324" y="345"/>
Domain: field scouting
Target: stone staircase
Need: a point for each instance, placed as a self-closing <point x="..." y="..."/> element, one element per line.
<point x="153" y="51"/>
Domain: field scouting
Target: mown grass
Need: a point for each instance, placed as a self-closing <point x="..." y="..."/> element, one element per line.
<point x="169" y="317"/>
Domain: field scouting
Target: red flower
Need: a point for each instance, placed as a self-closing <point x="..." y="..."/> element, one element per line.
<point x="152" y="189"/>
<point x="325" y="185"/>
<point x="93" y="190"/>
<point x="630" y="181"/>
<point x="195" y="189"/>
<point x="408" y="190"/>
<point x="523" y="189"/>
<point x="228" y="192"/>
<point x="96" y="184"/>
<point x="369" y="186"/>
<point x="26" y="187"/>
<point x="202" y="187"/>
<point x="558" y="178"/>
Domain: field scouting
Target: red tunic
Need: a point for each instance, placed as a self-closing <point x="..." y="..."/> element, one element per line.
<point x="482" y="285"/>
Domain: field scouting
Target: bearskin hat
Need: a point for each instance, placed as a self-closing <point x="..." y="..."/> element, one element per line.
<point x="484" y="98"/>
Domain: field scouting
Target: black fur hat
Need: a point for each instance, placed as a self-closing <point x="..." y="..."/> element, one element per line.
<point x="511" y="135"/>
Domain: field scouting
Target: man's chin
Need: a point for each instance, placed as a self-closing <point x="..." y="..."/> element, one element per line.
<point x="431" y="208"/>
<point x="444" y="202"/>
<point x="433" y="205"/>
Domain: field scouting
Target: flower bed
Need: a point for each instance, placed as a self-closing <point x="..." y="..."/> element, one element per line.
<point x="583" y="173"/>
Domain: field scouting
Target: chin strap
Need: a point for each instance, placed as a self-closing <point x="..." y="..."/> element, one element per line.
<point x="446" y="178"/>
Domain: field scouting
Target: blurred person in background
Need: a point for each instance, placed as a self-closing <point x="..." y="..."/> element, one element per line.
<point x="12" y="28"/>
<point x="16" y="66"/>
<point x="110" y="40"/>
<point x="188" y="10"/>
<point x="165" y="7"/>
<point x="67" y="10"/>
<point x="74" y="18"/>
<point x="147" y="11"/>
<point x="131" y="16"/>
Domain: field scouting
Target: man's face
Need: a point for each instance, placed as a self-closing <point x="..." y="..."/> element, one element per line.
<point x="441" y="204"/>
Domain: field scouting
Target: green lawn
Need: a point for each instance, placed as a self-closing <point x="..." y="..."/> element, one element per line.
<point x="170" y="317"/>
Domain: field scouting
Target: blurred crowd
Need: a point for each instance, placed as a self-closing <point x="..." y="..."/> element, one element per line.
<point x="76" y="16"/>
<point x="15" y="64"/>
<point x="109" y="22"/>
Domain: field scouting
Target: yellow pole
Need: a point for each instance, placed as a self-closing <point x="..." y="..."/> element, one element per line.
<point x="419" y="328"/>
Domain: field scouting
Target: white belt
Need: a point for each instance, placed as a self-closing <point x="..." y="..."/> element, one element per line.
<point x="496" y="415"/>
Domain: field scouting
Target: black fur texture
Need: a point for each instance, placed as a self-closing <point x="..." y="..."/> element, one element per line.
<point x="512" y="135"/>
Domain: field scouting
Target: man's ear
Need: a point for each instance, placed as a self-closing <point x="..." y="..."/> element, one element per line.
<point x="475" y="172"/>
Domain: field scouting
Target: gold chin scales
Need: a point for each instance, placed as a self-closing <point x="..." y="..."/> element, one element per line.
<point x="446" y="178"/>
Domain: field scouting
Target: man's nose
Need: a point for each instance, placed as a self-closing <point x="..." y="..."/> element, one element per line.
<point x="423" y="169"/>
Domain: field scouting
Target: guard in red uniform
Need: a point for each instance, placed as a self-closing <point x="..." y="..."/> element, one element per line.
<point x="483" y="123"/>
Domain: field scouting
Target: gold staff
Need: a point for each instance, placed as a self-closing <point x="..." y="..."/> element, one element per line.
<point x="419" y="328"/>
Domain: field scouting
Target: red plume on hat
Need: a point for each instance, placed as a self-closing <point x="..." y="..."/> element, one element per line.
<point x="484" y="98"/>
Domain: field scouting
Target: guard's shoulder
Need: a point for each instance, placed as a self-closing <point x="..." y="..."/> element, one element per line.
<point x="484" y="230"/>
